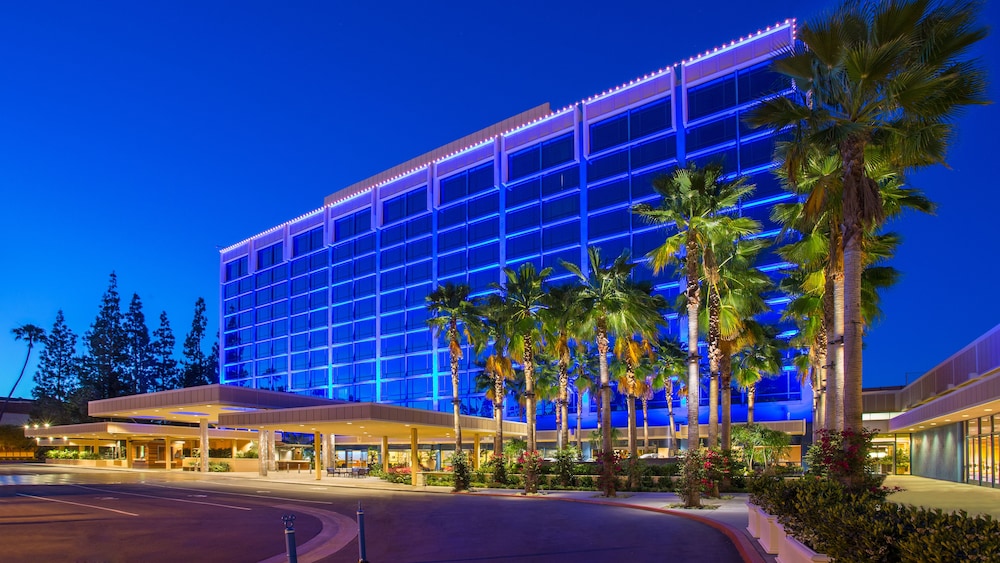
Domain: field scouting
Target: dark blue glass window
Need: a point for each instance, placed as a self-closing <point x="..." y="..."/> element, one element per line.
<point x="364" y="245"/>
<point x="393" y="279"/>
<point x="365" y="329"/>
<point x="418" y="249"/>
<point x="608" y="133"/>
<point x="559" y="181"/>
<point x="342" y="313"/>
<point x="714" y="133"/>
<point x="654" y="151"/>
<point x="524" y="162"/>
<point x="392" y="323"/>
<point x="556" y="209"/>
<point x="527" y="218"/>
<point x="557" y="151"/>
<point x="364" y="287"/>
<point x="419" y="226"/>
<point x="649" y="119"/>
<point x="481" y="178"/>
<point x="419" y="364"/>
<point x="756" y="153"/>
<point x="415" y="295"/>
<point x="484" y="230"/>
<point x="758" y="82"/>
<point x="341" y="253"/>
<point x="267" y="257"/>
<point x="451" y="216"/>
<point x="485" y="205"/>
<point x="726" y="158"/>
<point x="524" y="245"/>
<point x="484" y="255"/>
<point x="454" y="188"/>
<point x="416" y="319"/>
<point x="451" y="240"/>
<point x="364" y="308"/>
<point x="644" y="242"/>
<point x="451" y="263"/>
<point x="642" y="184"/>
<point x="341" y="293"/>
<point x="364" y="265"/>
<point x="561" y="235"/>
<point x="606" y="166"/>
<point x="392" y="257"/>
<point x="419" y="272"/>
<point x="237" y="268"/>
<point x="351" y="225"/>
<point x="614" y="193"/>
<point x="482" y="280"/>
<point x="393" y="235"/>
<point x="554" y="259"/>
<point x="307" y="242"/>
<point x="539" y="157"/>
<point x="523" y="193"/>
<point x="767" y="185"/>
<point x="418" y="341"/>
<point x="606" y="224"/>
<point x="712" y="97"/>
<point x="392" y="345"/>
<point x="392" y="301"/>
<point x="404" y="205"/>
<point x="364" y="350"/>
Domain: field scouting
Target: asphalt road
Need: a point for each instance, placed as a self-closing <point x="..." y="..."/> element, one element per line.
<point x="66" y="514"/>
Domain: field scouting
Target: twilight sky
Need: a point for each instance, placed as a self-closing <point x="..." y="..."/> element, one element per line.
<point x="141" y="137"/>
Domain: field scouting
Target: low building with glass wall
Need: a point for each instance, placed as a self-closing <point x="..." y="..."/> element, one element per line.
<point x="332" y="303"/>
<point x="943" y="425"/>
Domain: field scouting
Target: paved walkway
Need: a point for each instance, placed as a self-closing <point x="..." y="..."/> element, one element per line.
<point x="946" y="495"/>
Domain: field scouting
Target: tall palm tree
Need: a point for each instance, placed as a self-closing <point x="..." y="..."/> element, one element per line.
<point x="670" y="364"/>
<point x="30" y="334"/>
<point x="450" y="306"/>
<point x="603" y="295"/>
<point x="563" y="320"/>
<point x="757" y="361"/>
<point x="636" y="325"/>
<point x="587" y="381"/>
<point x="693" y="207"/>
<point x="522" y="296"/>
<point x="888" y="75"/>
<point x="498" y="368"/>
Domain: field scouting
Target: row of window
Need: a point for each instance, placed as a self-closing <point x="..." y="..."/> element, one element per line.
<point x="631" y="125"/>
<point x="741" y="87"/>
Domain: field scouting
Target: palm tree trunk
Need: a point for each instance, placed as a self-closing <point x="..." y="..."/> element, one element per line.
<point x="853" y="335"/>
<point x="694" y="377"/>
<point x="714" y="351"/>
<point x="751" y="394"/>
<point x="529" y="390"/>
<point x="456" y="403"/>
<point x="579" y="423"/>
<point x="563" y="407"/>
<point x="498" y="393"/>
<point x="645" y="423"/>
<point x="12" y="389"/>
<point x="671" y="436"/>
<point x="602" y="352"/>
<point x="833" y="319"/>
<point x="633" y="447"/>
<point x="725" y="390"/>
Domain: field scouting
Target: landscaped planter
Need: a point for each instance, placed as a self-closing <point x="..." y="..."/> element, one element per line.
<point x="794" y="551"/>
<point x="754" y="516"/>
<point x="772" y="534"/>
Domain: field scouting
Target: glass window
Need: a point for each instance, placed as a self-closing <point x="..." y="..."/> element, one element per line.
<point x="365" y="329"/>
<point x="451" y="240"/>
<point x="364" y="308"/>
<point x="267" y="257"/>
<point x="307" y="242"/>
<point x="364" y="265"/>
<point x="523" y="163"/>
<point x="341" y="293"/>
<point x="557" y="151"/>
<point x="607" y="166"/>
<point x="654" y="151"/>
<point x="726" y="158"/>
<point x="418" y="227"/>
<point x="758" y="82"/>
<point x="392" y="345"/>
<point x="392" y="323"/>
<point x="394" y="209"/>
<point x="418" y="341"/>
<point x="484" y="205"/>
<point x="484" y="230"/>
<point x="522" y="219"/>
<point x="415" y="295"/>
<point x="454" y="188"/>
<point x="614" y="193"/>
<point x="756" y="153"/>
<point x="606" y="224"/>
<point x="523" y="193"/>
<point x="556" y="209"/>
<point x="393" y="235"/>
<point x="364" y="287"/>
<point x="481" y="178"/>
<point x="392" y="257"/>
<point x="341" y="253"/>
<point x="342" y="313"/>
<point x="559" y="181"/>
<point x="419" y="272"/>
<point x="416" y="319"/>
<point x="709" y="134"/>
<point x="393" y="279"/>
<point x="608" y="133"/>
<point x="554" y="259"/>
<point x="650" y="119"/>
<point x="364" y="245"/>
<point x="561" y="235"/>
<point x="524" y="245"/>
<point x="451" y="263"/>
<point x="418" y="249"/>
<point x="451" y="216"/>
<point x="392" y="301"/>
<point x="484" y="255"/>
<point x="712" y="97"/>
<point x="237" y="268"/>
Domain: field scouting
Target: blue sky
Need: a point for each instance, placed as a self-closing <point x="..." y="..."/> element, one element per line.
<point x="141" y="137"/>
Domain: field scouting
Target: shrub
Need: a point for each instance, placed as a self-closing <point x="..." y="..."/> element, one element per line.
<point x="565" y="465"/>
<point x="218" y="467"/>
<point x="461" y="472"/>
<point x="843" y="456"/>
<point x="250" y="453"/>
<point x="609" y="468"/>
<point x="89" y="455"/>
<point x="529" y="463"/>
<point x="220" y="452"/>
<point x="635" y="469"/>
<point x="693" y="479"/>
<point x="586" y="482"/>
<point x="498" y="465"/>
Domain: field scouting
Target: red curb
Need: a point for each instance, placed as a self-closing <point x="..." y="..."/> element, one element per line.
<point x="746" y="550"/>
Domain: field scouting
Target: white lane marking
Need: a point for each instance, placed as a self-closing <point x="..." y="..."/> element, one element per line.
<point x="168" y="498"/>
<point x="78" y="504"/>
<point x="269" y="497"/>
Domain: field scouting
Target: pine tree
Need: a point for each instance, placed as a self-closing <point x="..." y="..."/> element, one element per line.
<point x="56" y="378"/>
<point x="212" y="362"/>
<point x="104" y="361"/>
<point x="165" y="373"/>
<point x="139" y="361"/>
<point x="194" y="363"/>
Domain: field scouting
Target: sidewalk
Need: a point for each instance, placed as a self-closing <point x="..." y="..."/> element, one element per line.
<point x="946" y="495"/>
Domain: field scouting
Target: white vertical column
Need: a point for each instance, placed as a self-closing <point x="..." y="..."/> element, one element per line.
<point x="203" y="443"/>
<point x="262" y="451"/>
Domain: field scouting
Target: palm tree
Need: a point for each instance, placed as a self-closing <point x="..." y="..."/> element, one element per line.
<point x="669" y="365"/>
<point x="30" y="334"/>
<point x="636" y="325"/>
<point x="450" y="306"/>
<point x="522" y="296"/>
<point x="563" y="319"/>
<point x="498" y="368"/>
<point x="760" y="359"/>
<point x="603" y="295"/>
<point x="693" y="205"/>
<point x="883" y="75"/>
<point x="587" y="381"/>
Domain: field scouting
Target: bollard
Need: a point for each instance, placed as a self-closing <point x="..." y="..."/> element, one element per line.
<point x="289" y="520"/>
<point x="361" y="535"/>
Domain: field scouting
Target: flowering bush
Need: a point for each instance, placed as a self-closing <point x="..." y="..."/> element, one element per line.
<point x="498" y="467"/>
<point x="844" y="456"/>
<point x="461" y="471"/>
<point x="694" y="477"/>
<point x="530" y="463"/>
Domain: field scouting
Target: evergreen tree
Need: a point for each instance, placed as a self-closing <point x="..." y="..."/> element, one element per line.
<point x="212" y="362"/>
<point x="139" y="367"/>
<point x="104" y="362"/>
<point x="165" y="373"/>
<point x="195" y="364"/>
<point x="56" y="378"/>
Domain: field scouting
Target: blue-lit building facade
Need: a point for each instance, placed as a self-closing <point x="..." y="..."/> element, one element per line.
<point x="332" y="303"/>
